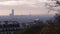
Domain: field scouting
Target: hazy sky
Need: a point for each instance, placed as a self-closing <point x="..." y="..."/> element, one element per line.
<point x="23" y="7"/>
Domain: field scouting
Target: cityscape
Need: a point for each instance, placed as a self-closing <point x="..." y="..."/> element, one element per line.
<point x="29" y="16"/>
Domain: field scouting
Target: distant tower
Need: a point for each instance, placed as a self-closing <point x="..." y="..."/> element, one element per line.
<point x="12" y="12"/>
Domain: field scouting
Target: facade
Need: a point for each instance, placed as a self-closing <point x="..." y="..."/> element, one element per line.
<point x="9" y="27"/>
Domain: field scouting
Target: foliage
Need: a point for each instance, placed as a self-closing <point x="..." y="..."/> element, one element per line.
<point x="50" y="27"/>
<point x="33" y="28"/>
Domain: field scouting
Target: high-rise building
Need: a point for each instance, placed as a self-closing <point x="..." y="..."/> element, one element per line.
<point x="12" y="12"/>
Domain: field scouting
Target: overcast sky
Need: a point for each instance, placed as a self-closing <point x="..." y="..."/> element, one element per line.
<point x="23" y="7"/>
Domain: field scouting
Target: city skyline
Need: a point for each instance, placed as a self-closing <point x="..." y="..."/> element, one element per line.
<point x="23" y="7"/>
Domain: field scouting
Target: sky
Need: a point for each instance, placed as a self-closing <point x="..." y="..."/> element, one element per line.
<point x="23" y="7"/>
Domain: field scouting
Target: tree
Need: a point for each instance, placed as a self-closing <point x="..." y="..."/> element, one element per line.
<point x="33" y="29"/>
<point x="52" y="6"/>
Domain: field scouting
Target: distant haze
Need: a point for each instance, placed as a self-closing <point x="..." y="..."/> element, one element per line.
<point x="23" y="7"/>
<point x="26" y="18"/>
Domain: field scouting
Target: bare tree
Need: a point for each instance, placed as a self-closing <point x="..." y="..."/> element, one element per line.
<point x="53" y="6"/>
